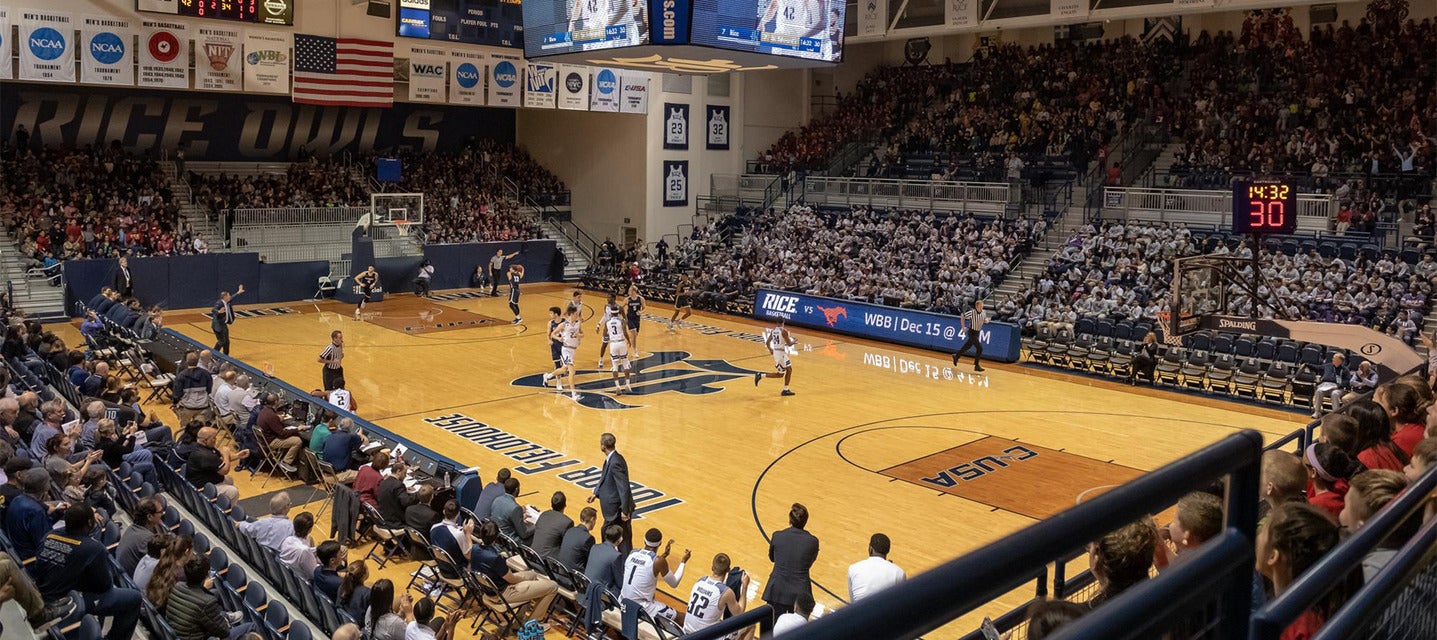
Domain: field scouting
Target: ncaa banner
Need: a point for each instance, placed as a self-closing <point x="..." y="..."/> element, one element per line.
<point x="504" y="80"/>
<point x="47" y="48"/>
<point x="218" y="64"/>
<point x="604" y="95"/>
<point x="718" y="129"/>
<point x="574" y="87"/>
<point x="1068" y="9"/>
<point x="266" y="61"/>
<point x="6" y="51"/>
<point x="872" y="19"/>
<point x="961" y="14"/>
<point x="676" y="183"/>
<point x="676" y="126"/>
<point x="634" y="96"/>
<point x="466" y="77"/>
<point x="540" y="85"/>
<point x="427" y="70"/>
<point x="109" y="56"/>
<point x="164" y="55"/>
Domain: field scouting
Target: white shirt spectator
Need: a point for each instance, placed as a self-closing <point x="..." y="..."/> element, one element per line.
<point x="298" y="553"/>
<point x="869" y="576"/>
<point x="269" y="531"/>
<point x="788" y="622"/>
<point x="416" y="631"/>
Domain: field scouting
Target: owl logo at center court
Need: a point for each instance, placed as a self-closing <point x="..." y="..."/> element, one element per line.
<point x="656" y="373"/>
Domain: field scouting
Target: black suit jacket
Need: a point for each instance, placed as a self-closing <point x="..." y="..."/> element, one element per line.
<point x="394" y="500"/>
<point x="421" y="516"/>
<point x="615" y="495"/>
<point x="793" y="552"/>
<point x="574" y="548"/>
<point x="549" y="532"/>
<point x="124" y="283"/>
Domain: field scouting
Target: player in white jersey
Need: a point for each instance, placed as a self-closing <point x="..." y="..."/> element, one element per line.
<point x="568" y="333"/>
<point x="778" y="341"/>
<point x="341" y="397"/>
<point x="642" y="570"/>
<point x="711" y="598"/>
<point x="619" y="340"/>
<point x="793" y="19"/>
<point x="590" y="18"/>
<point x="610" y="310"/>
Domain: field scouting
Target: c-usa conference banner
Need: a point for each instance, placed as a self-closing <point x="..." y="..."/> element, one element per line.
<point x="605" y="94"/>
<point x="109" y="50"/>
<point x="47" y="47"/>
<point x="1001" y="341"/>
<point x="466" y="77"/>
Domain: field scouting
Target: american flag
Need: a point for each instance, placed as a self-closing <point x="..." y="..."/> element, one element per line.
<point x="346" y="72"/>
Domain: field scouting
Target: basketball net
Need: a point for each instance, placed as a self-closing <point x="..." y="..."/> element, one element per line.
<point x="402" y="226"/>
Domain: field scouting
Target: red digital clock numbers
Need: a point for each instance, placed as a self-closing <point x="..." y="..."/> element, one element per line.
<point x="1264" y="207"/>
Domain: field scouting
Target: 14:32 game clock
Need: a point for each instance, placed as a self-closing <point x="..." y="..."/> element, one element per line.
<point x="1263" y="207"/>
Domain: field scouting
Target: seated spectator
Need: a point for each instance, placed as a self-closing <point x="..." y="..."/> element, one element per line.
<point x="116" y="448"/>
<point x="145" y="522"/>
<point x="1197" y="519"/>
<point x="58" y="453"/>
<point x="1407" y="408"/>
<point x="604" y="568"/>
<point x="394" y="498"/>
<point x="867" y="577"/>
<point x="53" y="414"/>
<point x="271" y="530"/>
<point x="1283" y="478"/>
<point x="516" y="587"/>
<point x="194" y="612"/>
<point x="419" y="628"/>
<point x="367" y="479"/>
<point x="1328" y="471"/>
<point x="455" y="540"/>
<point x="1369" y="493"/>
<point x="1296" y="537"/>
<point x="331" y="556"/>
<point x="74" y="561"/>
<point x="319" y="435"/>
<point x="296" y="550"/>
<point x="802" y="610"/>
<point x="168" y="571"/>
<point x="419" y="515"/>
<point x="348" y="631"/>
<point x="551" y="526"/>
<point x="485" y="503"/>
<point x="340" y="449"/>
<point x="1373" y="440"/>
<point x="209" y="465"/>
<point x="1047" y="616"/>
<point x="1121" y="559"/>
<point x="574" y="547"/>
<point x="509" y="515"/>
<point x="387" y="616"/>
<point x="28" y="518"/>
<point x="1423" y="457"/>
<point x="40" y="613"/>
<point x="353" y="595"/>
<point x="145" y="568"/>
<point x="283" y="440"/>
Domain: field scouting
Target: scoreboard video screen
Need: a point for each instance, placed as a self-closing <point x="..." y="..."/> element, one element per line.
<point x="565" y="26"/>
<point x="278" y="12"/>
<point x="497" y="23"/>
<point x="802" y="28"/>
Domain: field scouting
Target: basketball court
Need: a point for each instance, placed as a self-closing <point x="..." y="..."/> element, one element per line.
<point x="877" y="439"/>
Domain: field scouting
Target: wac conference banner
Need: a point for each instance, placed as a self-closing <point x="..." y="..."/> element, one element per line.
<point x="212" y="126"/>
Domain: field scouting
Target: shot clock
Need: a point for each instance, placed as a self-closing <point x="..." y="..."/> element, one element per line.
<point x="1264" y="206"/>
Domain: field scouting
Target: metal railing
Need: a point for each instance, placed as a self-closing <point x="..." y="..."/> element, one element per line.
<point x="979" y="197"/>
<point x="1196" y="206"/>
<point x="1220" y="570"/>
<point x="297" y="216"/>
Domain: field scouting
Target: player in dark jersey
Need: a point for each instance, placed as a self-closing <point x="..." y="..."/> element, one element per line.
<point x="633" y="307"/>
<point x="556" y="318"/>
<point x="365" y="281"/>
<point x="516" y="273"/>
<point x="683" y="303"/>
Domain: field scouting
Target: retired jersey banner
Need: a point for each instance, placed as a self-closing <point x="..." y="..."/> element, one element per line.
<point x="573" y="87"/>
<point x="47" y="47"/>
<point x="676" y="126"/>
<point x="540" y="85"/>
<point x="164" y="55"/>
<point x="427" y="72"/>
<point x="504" y="80"/>
<point x="717" y="131"/>
<point x="961" y="14"/>
<point x="466" y="77"/>
<point x="109" y="56"/>
<point x="218" y="59"/>
<point x="267" y="55"/>
<point x="635" y="94"/>
<point x="604" y="95"/>
<point x="7" y="55"/>
<point x="676" y="183"/>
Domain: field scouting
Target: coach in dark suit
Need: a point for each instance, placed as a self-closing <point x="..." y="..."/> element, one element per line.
<point x="222" y="315"/>
<point x="793" y="552"/>
<point x="123" y="282"/>
<point x="616" y="499"/>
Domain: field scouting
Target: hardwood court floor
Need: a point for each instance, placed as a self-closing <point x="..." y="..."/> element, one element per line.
<point x="877" y="439"/>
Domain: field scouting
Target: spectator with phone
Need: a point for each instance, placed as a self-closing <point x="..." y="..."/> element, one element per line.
<point x="118" y="447"/>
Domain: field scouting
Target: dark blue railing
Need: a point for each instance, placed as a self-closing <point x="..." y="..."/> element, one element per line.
<point x="1413" y="559"/>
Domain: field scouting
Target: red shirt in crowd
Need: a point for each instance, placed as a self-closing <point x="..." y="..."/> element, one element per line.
<point x="1304" y="627"/>
<point x="366" y="484"/>
<point x="1408" y="435"/>
<point x="1329" y="501"/>
<point x="1380" y="457"/>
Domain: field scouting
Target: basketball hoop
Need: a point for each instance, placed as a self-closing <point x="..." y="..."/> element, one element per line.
<point x="402" y="226"/>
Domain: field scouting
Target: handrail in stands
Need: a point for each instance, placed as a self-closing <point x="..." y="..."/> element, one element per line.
<point x="1270" y="621"/>
<point x="1400" y="571"/>
<point x="931" y="599"/>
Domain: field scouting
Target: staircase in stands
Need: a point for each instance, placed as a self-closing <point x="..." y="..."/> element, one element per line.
<point x="1036" y="262"/>
<point x="1157" y="174"/>
<point x="190" y="213"/>
<point x="576" y="260"/>
<point x="33" y="293"/>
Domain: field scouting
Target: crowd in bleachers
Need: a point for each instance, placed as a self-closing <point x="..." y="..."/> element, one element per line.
<point x="94" y="202"/>
<point x="464" y="193"/>
<point x="312" y="183"/>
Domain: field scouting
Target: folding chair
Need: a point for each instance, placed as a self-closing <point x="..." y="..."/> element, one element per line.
<point x="419" y="552"/>
<point x="391" y="538"/>
<point x="452" y="581"/>
<point x="495" y="606"/>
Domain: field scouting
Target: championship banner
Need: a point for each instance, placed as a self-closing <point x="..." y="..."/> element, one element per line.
<point x="504" y="80"/>
<point x="962" y="14"/>
<point x="164" y="55"/>
<point x="108" y="56"/>
<point x="605" y="93"/>
<point x="718" y="127"/>
<point x="6" y="51"/>
<point x="218" y="59"/>
<point x="872" y="17"/>
<point x="466" y="77"/>
<point x="267" y="56"/>
<point x="676" y="126"/>
<point x="574" y="92"/>
<point x="676" y="183"/>
<point x="47" y="48"/>
<point x="540" y="84"/>
<point x="1069" y="9"/>
<point x="427" y="70"/>
<point x="634" y="96"/>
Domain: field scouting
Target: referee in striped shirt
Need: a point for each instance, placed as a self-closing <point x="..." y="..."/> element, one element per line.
<point x="973" y="325"/>
<point x="333" y="360"/>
